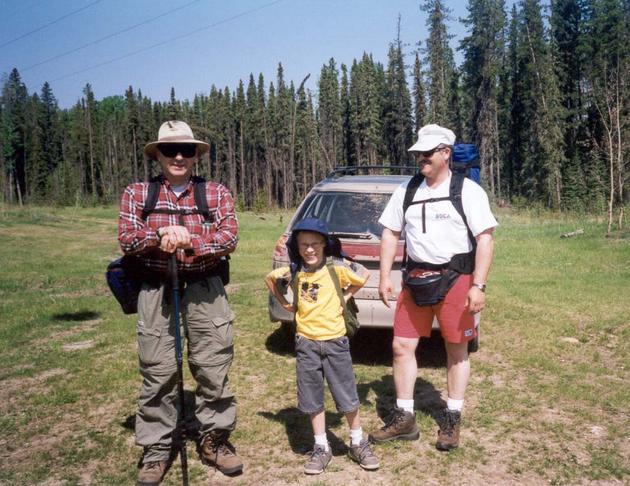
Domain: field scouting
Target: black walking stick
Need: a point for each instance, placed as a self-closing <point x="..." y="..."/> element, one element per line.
<point x="181" y="425"/>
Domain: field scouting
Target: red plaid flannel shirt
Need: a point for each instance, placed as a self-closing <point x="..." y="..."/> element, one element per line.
<point x="209" y="241"/>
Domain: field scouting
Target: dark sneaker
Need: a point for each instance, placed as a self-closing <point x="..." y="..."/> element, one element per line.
<point x="152" y="473"/>
<point x="364" y="456"/>
<point x="448" y="435"/>
<point x="317" y="460"/>
<point x="217" y="451"/>
<point x="399" y="425"/>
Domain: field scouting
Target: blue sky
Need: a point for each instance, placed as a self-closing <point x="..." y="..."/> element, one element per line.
<point x="199" y="43"/>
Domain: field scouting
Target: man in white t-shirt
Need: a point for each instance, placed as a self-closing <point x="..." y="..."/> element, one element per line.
<point x="435" y="232"/>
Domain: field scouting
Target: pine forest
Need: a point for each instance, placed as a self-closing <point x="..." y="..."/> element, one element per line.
<point x="542" y="90"/>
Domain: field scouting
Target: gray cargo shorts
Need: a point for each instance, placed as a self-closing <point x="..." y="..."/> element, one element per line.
<point x="316" y="360"/>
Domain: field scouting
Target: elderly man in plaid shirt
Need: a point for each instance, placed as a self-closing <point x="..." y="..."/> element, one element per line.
<point x="174" y="227"/>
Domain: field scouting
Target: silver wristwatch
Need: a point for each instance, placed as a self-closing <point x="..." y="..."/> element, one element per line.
<point x="481" y="287"/>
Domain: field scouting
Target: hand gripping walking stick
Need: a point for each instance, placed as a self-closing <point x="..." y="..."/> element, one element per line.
<point x="181" y="425"/>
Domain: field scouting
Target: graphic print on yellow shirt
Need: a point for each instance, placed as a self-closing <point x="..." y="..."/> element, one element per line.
<point x="320" y="314"/>
<point x="309" y="292"/>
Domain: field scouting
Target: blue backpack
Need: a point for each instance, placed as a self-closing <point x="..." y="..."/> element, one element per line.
<point x="466" y="160"/>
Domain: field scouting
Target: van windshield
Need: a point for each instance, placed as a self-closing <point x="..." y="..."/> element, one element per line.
<point x="349" y="213"/>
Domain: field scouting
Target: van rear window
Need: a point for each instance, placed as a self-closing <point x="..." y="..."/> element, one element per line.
<point x="346" y="212"/>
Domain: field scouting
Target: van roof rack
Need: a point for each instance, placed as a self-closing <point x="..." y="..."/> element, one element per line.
<point x="355" y="169"/>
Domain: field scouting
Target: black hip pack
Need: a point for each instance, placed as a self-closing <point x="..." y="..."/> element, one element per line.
<point x="428" y="286"/>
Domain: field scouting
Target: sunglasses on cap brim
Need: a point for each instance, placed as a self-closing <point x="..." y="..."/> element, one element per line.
<point x="172" y="149"/>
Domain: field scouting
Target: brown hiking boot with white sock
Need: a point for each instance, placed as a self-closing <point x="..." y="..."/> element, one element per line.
<point x="399" y="425"/>
<point x="152" y="473"/>
<point x="448" y="435"/>
<point x="217" y="451"/>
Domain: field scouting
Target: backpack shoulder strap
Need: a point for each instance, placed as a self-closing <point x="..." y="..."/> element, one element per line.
<point x="153" y="193"/>
<point x="201" y="201"/>
<point x="294" y="288"/>
<point x="412" y="187"/>
<point x="455" y="195"/>
<point x="330" y="265"/>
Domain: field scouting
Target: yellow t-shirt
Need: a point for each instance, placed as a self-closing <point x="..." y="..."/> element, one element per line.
<point x="320" y="314"/>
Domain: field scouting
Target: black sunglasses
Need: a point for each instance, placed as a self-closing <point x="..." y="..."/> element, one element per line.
<point x="430" y="153"/>
<point x="172" y="149"/>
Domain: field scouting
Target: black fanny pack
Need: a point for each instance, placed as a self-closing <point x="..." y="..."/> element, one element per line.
<point x="428" y="284"/>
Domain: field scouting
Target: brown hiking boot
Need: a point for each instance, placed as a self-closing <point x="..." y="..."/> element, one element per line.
<point x="151" y="473"/>
<point x="448" y="435"/>
<point x="399" y="425"/>
<point x="217" y="451"/>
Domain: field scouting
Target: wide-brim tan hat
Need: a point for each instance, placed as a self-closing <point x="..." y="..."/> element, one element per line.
<point x="430" y="136"/>
<point x="175" y="131"/>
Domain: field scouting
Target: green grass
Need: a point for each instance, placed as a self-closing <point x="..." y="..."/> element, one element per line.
<point x="547" y="401"/>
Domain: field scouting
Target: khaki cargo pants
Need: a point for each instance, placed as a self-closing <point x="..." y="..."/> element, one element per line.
<point x="207" y="325"/>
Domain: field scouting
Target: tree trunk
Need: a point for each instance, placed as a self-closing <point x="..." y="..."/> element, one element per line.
<point x="241" y="178"/>
<point x="135" y="154"/>
<point x="90" y="141"/>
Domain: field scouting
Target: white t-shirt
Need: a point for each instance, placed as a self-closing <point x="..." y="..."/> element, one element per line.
<point x="179" y="189"/>
<point x="446" y="233"/>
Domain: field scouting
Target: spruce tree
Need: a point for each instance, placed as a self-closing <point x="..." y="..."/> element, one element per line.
<point x="367" y="86"/>
<point x="330" y="115"/>
<point x="14" y="103"/>
<point x="35" y="164"/>
<point x="546" y="116"/>
<point x="567" y="29"/>
<point x="441" y="66"/>
<point x="419" y="101"/>
<point x="397" y="127"/>
<point x="346" y="116"/>
<point x="483" y="52"/>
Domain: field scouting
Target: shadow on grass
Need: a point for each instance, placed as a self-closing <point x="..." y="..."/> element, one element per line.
<point x="299" y="432"/>
<point x="282" y="340"/>
<point x="427" y="398"/>
<point x="76" y="316"/>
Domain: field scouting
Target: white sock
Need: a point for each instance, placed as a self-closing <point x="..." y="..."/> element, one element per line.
<point x="453" y="404"/>
<point x="356" y="436"/>
<point x="406" y="405"/>
<point x="322" y="441"/>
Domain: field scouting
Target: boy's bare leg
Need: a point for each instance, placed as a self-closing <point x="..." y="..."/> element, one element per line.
<point x="318" y="422"/>
<point x="353" y="419"/>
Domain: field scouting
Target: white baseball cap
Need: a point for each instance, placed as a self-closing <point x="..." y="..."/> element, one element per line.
<point x="430" y="136"/>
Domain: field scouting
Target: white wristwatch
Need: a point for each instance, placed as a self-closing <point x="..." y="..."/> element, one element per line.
<point x="481" y="287"/>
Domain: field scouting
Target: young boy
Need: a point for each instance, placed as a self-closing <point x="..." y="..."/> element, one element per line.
<point x="321" y="345"/>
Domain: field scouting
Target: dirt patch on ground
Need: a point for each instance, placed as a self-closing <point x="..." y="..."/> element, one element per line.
<point x="13" y="390"/>
<point x="78" y="345"/>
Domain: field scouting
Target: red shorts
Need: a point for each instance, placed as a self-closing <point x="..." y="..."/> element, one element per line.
<point x="456" y="323"/>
